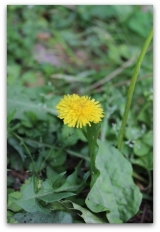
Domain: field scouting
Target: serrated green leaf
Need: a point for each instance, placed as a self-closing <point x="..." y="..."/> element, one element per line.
<point x="51" y="196"/>
<point x="57" y="180"/>
<point x="67" y="206"/>
<point x="71" y="183"/>
<point x="114" y="190"/>
<point x="87" y="215"/>
<point x="50" y="172"/>
<point x="28" y="200"/>
<point x="48" y="192"/>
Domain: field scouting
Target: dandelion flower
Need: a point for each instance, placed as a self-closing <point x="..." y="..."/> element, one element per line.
<point x="79" y="111"/>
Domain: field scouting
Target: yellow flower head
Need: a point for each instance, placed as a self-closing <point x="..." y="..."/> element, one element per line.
<point x="79" y="111"/>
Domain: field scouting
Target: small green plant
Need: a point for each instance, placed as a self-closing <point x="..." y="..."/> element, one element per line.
<point x="112" y="189"/>
<point x="96" y="165"/>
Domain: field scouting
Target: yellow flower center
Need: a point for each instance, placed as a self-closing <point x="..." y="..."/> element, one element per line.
<point x="78" y="111"/>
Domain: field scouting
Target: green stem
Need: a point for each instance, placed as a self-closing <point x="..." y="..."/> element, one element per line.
<point x="131" y="88"/>
<point x="138" y="177"/>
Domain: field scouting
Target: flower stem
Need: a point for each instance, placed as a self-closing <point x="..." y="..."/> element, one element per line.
<point x="131" y="88"/>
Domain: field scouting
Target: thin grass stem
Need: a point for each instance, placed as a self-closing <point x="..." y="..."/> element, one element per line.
<point x="131" y="88"/>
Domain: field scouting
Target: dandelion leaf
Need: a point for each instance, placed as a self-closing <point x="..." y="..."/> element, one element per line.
<point x="113" y="190"/>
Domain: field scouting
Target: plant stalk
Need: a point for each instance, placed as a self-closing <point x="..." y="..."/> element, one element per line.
<point x="131" y="88"/>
